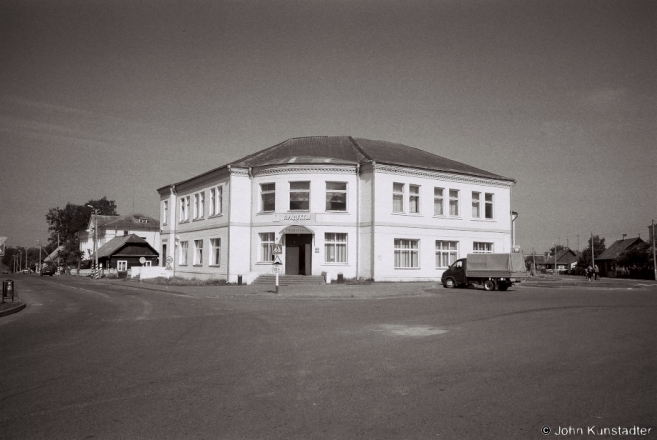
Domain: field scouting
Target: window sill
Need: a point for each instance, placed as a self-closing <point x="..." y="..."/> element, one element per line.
<point x="408" y="214"/>
<point x="408" y="268"/>
<point x="489" y="220"/>
<point x="214" y="265"/>
<point x="216" y="215"/>
<point x="197" y="265"/>
<point x="336" y="212"/>
<point x="266" y="212"/>
<point x="183" y="264"/>
<point x="264" y="263"/>
<point x="183" y="222"/>
<point x="198" y="219"/>
<point x="299" y="210"/>
<point x="335" y="264"/>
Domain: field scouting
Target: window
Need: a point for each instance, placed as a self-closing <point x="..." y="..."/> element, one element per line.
<point x="199" y="205"/>
<point x="335" y="248"/>
<point x="184" y="209"/>
<point x="336" y="196"/>
<point x="143" y="220"/>
<point x="184" y="246"/>
<point x="216" y="196"/>
<point x="414" y="199"/>
<point x="165" y="212"/>
<point x="266" y="246"/>
<point x="122" y="265"/>
<point x="299" y="196"/>
<point x="482" y="248"/>
<point x="476" y="205"/>
<point x="397" y="197"/>
<point x="453" y="202"/>
<point x="438" y="201"/>
<point x="148" y="263"/>
<point x="267" y="197"/>
<point x="446" y="253"/>
<point x="406" y="253"/>
<point x="215" y="251"/>
<point x="489" y="206"/>
<point x="198" y="252"/>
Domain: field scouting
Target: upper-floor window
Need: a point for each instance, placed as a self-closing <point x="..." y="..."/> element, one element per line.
<point x="165" y="212"/>
<point x="414" y="199"/>
<point x="267" y="197"/>
<point x="407" y="253"/>
<point x="199" y="205"/>
<point x="336" y="196"/>
<point x="454" y="202"/>
<point x="184" y="209"/>
<point x="476" y="204"/>
<point x="299" y="196"/>
<point x="397" y="197"/>
<point x="482" y="248"/>
<point x="198" y="252"/>
<point x="216" y="200"/>
<point x="438" y="201"/>
<point x="489" y="206"/>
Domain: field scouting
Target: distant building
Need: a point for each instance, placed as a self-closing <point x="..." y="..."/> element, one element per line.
<point x="122" y="253"/>
<point x="110" y="226"/>
<point x="606" y="261"/>
<point x="335" y="205"/>
<point x="566" y="259"/>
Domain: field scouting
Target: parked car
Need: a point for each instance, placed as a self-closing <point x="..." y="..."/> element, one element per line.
<point x="48" y="270"/>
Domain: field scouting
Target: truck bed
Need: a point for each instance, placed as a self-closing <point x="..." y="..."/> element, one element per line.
<point x="496" y="266"/>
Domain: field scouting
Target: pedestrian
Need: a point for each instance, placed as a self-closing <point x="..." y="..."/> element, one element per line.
<point x="589" y="270"/>
<point x="596" y="271"/>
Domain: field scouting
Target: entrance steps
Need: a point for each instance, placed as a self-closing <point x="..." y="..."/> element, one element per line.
<point x="290" y="280"/>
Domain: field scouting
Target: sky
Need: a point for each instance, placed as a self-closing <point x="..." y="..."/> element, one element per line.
<point x="117" y="98"/>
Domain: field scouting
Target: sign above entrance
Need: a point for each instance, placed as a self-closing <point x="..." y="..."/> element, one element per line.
<point x="296" y="229"/>
<point x="296" y="218"/>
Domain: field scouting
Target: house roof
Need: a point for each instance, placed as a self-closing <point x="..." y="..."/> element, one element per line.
<point x="613" y="251"/>
<point x="117" y="243"/>
<point x="131" y="221"/>
<point x="349" y="150"/>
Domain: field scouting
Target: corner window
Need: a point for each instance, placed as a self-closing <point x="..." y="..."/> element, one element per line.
<point x="266" y="246"/>
<point x="397" y="197"/>
<point x="198" y="252"/>
<point x="476" y="205"/>
<point x="336" y="196"/>
<point x="184" y="246"/>
<point x="438" y="201"/>
<point x="335" y="248"/>
<point x="489" y="206"/>
<point x="406" y="253"/>
<point x="414" y="199"/>
<point x="267" y="197"/>
<point x="482" y="248"/>
<point x="299" y="196"/>
<point x="446" y="253"/>
<point x="453" y="202"/>
<point x="215" y="251"/>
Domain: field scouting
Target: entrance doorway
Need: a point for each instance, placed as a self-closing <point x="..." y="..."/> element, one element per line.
<point x="298" y="254"/>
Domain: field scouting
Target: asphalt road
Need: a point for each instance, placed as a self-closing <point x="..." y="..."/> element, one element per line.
<point x="90" y="360"/>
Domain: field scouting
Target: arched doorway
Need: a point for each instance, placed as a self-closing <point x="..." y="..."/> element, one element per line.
<point x="298" y="250"/>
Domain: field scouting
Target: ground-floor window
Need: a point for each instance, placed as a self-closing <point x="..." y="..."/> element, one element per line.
<point x="198" y="252"/>
<point x="122" y="265"/>
<point x="446" y="253"/>
<point x="267" y="246"/>
<point x="215" y="251"/>
<point x="479" y="247"/>
<point x="148" y="263"/>
<point x="406" y="253"/>
<point x="184" y="246"/>
<point x="335" y="247"/>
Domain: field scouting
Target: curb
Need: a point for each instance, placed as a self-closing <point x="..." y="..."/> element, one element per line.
<point x="12" y="310"/>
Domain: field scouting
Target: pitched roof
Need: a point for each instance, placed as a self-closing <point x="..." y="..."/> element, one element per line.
<point x="132" y="221"/>
<point x="115" y="244"/>
<point x="613" y="251"/>
<point x="349" y="150"/>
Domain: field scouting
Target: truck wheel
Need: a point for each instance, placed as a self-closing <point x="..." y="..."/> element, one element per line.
<point x="489" y="285"/>
<point x="502" y="286"/>
<point x="450" y="283"/>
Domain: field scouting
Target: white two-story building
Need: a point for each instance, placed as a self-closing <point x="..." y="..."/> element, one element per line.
<point x="363" y="208"/>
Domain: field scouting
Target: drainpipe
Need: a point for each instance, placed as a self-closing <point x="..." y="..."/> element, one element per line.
<point x="230" y="202"/>
<point x="174" y="208"/>
<point x="514" y="216"/>
<point x="357" y="219"/>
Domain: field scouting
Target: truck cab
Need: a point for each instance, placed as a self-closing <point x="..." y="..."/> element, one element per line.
<point x="455" y="274"/>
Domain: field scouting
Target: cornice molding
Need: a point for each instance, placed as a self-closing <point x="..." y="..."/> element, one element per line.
<point x="463" y="178"/>
<point x="306" y="169"/>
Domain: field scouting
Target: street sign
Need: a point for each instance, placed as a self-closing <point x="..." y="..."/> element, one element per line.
<point x="276" y="269"/>
<point x="277" y="260"/>
<point x="169" y="259"/>
<point x="277" y="249"/>
<point x="142" y="260"/>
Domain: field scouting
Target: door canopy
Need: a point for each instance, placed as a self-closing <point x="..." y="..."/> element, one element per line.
<point x="295" y="229"/>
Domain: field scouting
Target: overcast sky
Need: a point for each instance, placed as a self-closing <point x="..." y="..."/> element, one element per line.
<point x="117" y="98"/>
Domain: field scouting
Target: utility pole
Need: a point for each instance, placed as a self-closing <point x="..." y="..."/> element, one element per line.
<point x="95" y="240"/>
<point x="592" y="252"/>
<point x="577" y="242"/>
<point x="654" y="258"/>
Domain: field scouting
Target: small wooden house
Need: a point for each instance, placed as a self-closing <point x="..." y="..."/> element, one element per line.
<point x="122" y="253"/>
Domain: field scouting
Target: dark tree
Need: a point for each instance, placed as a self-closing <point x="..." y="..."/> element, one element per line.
<point x="598" y="248"/>
<point x="636" y="257"/>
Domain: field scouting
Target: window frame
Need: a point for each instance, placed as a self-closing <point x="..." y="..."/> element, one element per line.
<point x="492" y="206"/>
<point x="440" y="197"/>
<point x="456" y="200"/>
<point x="334" y="243"/>
<point x="413" y="196"/>
<point x="215" y="252"/>
<point x="184" y="253"/>
<point x="337" y="191"/>
<point x="476" y="244"/>
<point x="406" y="250"/>
<point x="184" y="209"/>
<point x="198" y="253"/>
<point x="266" y="244"/>
<point x="299" y="191"/>
<point x="165" y="212"/>
<point x="442" y="251"/>
<point x="398" y="195"/>
<point x="123" y="263"/>
<point x="476" y="204"/>
<point x="263" y="192"/>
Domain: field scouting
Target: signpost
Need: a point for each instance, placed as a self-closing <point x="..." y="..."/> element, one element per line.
<point x="169" y="260"/>
<point x="277" y="267"/>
